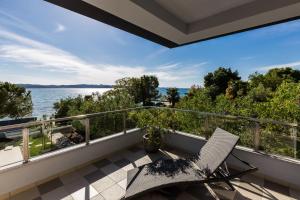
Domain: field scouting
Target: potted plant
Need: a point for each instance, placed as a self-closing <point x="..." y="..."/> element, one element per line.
<point x="152" y="139"/>
<point x="154" y="125"/>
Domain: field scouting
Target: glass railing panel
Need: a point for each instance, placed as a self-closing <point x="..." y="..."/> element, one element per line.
<point x="106" y="124"/>
<point x="47" y="136"/>
<point x="11" y="147"/>
<point x="277" y="139"/>
<point x="52" y="136"/>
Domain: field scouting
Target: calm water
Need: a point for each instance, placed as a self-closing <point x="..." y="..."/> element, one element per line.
<point x="44" y="98"/>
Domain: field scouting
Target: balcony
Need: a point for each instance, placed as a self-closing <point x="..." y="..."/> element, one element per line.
<point x="53" y="164"/>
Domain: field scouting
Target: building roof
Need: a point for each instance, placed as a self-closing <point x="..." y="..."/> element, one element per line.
<point x="174" y="23"/>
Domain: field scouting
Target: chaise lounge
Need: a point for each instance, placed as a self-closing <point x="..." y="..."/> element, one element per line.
<point x="206" y="167"/>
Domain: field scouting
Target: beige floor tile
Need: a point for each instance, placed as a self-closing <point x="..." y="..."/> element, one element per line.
<point x="113" y="193"/>
<point x="295" y="194"/>
<point x="98" y="197"/>
<point x="103" y="183"/>
<point x="28" y="194"/>
<point x="116" y="156"/>
<point x="81" y="190"/>
<point x="221" y="190"/>
<point x="142" y="161"/>
<point x="128" y="167"/>
<point x="115" y="173"/>
<point x="273" y="195"/>
<point x="70" y="177"/>
<point x="128" y="155"/>
<point x="49" y="186"/>
<point x="275" y="191"/>
<point x="57" y="194"/>
<point x="250" y="187"/>
<point x="102" y="163"/>
<point x="87" y="170"/>
<point x="123" y="183"/>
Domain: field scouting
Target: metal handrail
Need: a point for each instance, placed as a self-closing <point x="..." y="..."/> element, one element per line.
<point x="261" y="121"/>
<point x="77" y="117"/>
<point x="81" y="117"/>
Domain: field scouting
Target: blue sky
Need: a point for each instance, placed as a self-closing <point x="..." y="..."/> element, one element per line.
<point x="44" y="44"/>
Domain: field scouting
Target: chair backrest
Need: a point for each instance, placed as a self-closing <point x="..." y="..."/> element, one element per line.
<point x="216" y="150"/>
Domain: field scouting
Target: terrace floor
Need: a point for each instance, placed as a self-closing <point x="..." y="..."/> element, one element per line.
<point x="106" y="180"/>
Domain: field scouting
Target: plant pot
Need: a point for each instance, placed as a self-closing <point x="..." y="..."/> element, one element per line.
<point x="149" y="146"/>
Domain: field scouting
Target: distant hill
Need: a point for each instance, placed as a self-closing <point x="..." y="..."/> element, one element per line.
<point x="65" y="86"/>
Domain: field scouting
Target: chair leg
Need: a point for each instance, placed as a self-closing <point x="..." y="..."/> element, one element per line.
<point x="226" y="180"/>
<point x="229" y="184"/>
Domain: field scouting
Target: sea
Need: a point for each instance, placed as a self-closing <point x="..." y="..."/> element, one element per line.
<point x="44" y="98"/>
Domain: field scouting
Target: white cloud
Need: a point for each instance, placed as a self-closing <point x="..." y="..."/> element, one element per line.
<point x="14" y="22"/>
<point x="157" y="53"/>
<point x="34" y="54"/>
<point x="59" y="28"/>
<point x="266" y="68"/>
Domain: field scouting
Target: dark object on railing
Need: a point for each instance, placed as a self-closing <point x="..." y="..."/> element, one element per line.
<point x="17" y="121"/>
<point x="173" y="172"/>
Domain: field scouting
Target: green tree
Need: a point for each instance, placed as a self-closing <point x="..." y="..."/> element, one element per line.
<point x="15" y="101"/>
<point x="173" y="96"/>
<point x="260" y="94"/>
<point x="285" y="104"/>
<point x="274" y="77"/>
<point x="149" y="89"/>
<point x="236" y="88"/>
<point x="132" y="86"/>
<point x="144" y="89"/>
<point x="223" y="104"/>
<point x="200" y="101"/>
<point x="217" y="81"/>
<point x="114" y="99"/>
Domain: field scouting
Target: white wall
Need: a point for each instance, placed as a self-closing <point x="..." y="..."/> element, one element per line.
<point x="274" y="168"/>
<point x="52" y="164"/>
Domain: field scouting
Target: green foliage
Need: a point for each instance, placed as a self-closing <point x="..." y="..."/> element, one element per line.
<point x="155" y="123"/>
<point x="149" y="91"/>
<point x="115" y="99"/>
<point x="15" y="101"/>
<point x="236" y="88"/>
<point x="200" y="101"/>
<point x="143" y="90"/>
<point x="217" y="82"/>
<point x="132" y="86"/>
<point x="274" y="77"/>
<point x="161" y="119"/>
<point x="285" y="104"/>
<point x="173" y="96"/>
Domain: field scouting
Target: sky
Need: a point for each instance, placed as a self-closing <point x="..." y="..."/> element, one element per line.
<point x="41" y="43"/>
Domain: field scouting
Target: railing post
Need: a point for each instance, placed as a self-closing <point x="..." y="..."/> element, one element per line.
<point x="43" y="134"/>
<point x="124" y="122"/>
<point x="87" y="131"/>
<point x="256" y="136"/>
<point x="25" y="133"/>
<point x="294" y="136"/>
<point x="206" y="127"/>
<point x="173" y="120"/>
